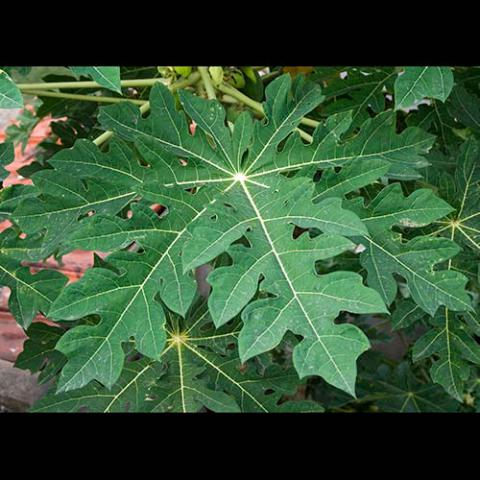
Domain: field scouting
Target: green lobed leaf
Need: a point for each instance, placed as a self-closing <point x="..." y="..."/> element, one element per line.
<point x="30" y="293"/>
<point x="164" y="135"/>
<point x="126" y="300"/>
<point x="406" y="313"/>
<point x="83" y="181"/>
<point x="108" y="77"/>
<point x="302" y="303"/>
<point x="39" y="354"/>
<point x="198" y="369"/>
<point x="127" y="395"/>
<point x="414" y="260"/>
<point x="7" y="156"/>
<point x="356" y="89"/>
<point x="398" y="390"/>
<point x="453" y="348"/>
<point x="227" y="195"/>
<point x="451" y="342"/>
<point x="377" y="139"/>
<point x="465" y="107"/>
<point x="417" y="83"/>
<point x="10" y="95"/>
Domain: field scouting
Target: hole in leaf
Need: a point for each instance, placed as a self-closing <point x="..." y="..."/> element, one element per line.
<point x="158" y="209"/>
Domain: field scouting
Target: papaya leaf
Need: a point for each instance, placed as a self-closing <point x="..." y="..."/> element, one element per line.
<point x="417" y="83"/>
<point x="108" y="77"/>
<point x="10" y="95"/>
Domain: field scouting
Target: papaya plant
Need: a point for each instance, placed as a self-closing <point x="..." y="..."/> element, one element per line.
<point x="264" y="239"/>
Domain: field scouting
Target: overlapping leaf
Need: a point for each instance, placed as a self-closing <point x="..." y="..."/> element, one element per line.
<point x="30" y="293"/>
<point x="386" y="254"/>
<point x="303" y="302"/>
<point x="464" y="224"/>
<point x="377" y="139"/>
<point x="83" y="181"/>
<point x="10" y="95"/>
<point x="197" y="369"/>
<point x="127" y="395"/>
<point x="451" y="340"/>
<point x="454" y="350"/>
<point x="406" y="313"/>
<point x="399" y="390"/>
<point x="435" y="118"/>
<point x="462" y="190"/>
<point x="356" y="89"/>
<point x="108" y="77"/>
<point x="465" y="108"/>
<point x="6" y="157"/>
<point x="125" y="296"/>
<point x="416" y="83"/>
<point x="39" y="354"/>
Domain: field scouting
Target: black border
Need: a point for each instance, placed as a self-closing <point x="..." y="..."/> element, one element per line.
<point x="244" y="34"/>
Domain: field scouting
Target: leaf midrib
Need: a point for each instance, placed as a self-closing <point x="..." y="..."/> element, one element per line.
<point x="292" y="288"/>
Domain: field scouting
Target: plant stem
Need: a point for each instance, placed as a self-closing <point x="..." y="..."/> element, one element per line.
<point x="191" y="80"/>
<point x="305" y="135"/>
<point x="270" y="76"/>
<point x="257" y="106"/>
<point x="87" y="98"/>
<point x="140" y="82"/>
<point x="233" y="92"/>
<point x="103" y="138"/>
<point x="207" y="82"/>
